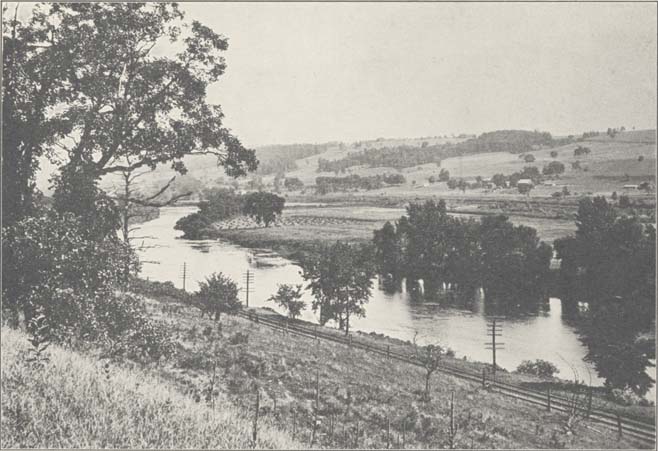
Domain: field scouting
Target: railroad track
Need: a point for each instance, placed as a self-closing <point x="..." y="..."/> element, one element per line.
<point x="641" y="430"/>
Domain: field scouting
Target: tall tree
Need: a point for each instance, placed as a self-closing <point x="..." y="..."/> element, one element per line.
<point x="611" y="264"/>
<point x="289" y="297"/>
<point x="263" y="207"/>
<point x="32" y="83"/>
<point x="341" y="282"/>
<point x="119" y="106"/>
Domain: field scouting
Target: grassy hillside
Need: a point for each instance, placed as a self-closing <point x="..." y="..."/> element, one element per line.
<point x="604" y="168"/>
<point x="77" y="402"/>
<point x="359" y="392"/>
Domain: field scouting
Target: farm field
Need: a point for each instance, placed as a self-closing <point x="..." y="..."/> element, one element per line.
<point x="303" y="226"/>
<point x="360" y="394"/>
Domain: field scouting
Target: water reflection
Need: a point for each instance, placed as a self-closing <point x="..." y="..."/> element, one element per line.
<point x="399" y="309"/>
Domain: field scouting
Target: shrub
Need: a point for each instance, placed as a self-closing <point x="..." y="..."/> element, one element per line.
<point x="529" y="158"/>
<point x="238" y="338"/>
<point x="52" y="265"/>
<point x="624" y="397"/>
<point x="539" y="367"/>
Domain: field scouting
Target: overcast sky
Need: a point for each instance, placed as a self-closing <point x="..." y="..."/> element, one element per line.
<point x="309" y="72"/>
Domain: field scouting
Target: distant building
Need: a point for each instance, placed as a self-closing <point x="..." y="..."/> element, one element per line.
<point x="524" y="182"/>
<point x="631" y="187"/>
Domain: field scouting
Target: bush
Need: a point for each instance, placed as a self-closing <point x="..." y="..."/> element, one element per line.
<point x="539" y="367"/>
<point x="553" y="168"/>
<point x="52" y="265"/>
<point x="529" y="158"/>
<point x="194" y="226"/>
<point x="624" y="397"/>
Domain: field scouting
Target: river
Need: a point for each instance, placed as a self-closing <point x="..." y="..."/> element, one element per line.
<point x="545" y="335"/>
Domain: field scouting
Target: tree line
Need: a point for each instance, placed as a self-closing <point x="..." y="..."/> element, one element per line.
<point x="610" y="263"/>
<point x="324" y="185"/>
<point x="515" y="141"/>
<point x="509" y="262"/>
<point x="221" y="203"/>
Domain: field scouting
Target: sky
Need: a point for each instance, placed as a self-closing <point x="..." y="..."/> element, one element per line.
<point x="316" y="72"/>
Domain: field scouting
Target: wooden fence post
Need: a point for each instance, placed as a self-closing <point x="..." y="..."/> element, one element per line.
<point x="316" y="331"/>
<point x="484" y="378"/>
<point x="548" y="393"/>
<point x="452" y="420"/>
<point x="619" y="428"/>
<point x="294" y="423"/>
<point x="388" y="352"/>
<point x="404" y="432"/>
<point x="388" y="433"/>
<point x="255" y="431"/>
<point x="349" y="337"/>
<point x="317" y="406"/>
<point x="589" y="402"/>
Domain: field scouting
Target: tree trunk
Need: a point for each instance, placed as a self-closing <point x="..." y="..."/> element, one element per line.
<point x="347" y="322"/>
<point x="427" y="386"/>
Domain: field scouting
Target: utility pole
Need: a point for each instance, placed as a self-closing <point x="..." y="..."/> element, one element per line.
<point x="494" y="329"/>
<point x="248" y="280"/>
<point x="184" y="274"/>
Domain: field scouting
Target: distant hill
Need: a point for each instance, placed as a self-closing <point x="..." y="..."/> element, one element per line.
<point x="405" y="156"/>
<point x="282" y="158"/>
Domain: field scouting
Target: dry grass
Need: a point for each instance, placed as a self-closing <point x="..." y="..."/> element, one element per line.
<point x="73" y="403"/>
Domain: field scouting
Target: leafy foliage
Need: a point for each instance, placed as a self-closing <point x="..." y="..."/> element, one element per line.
<point x="293" y="183"/>
<point x="263" y="207"/>
<point x="539" y="367"/>
<point x="553" y="168"/>
<point x="610" y="263"/>
<point x="428" y="244"/>
<point x="326" y="185"/>
<point x="340" y="279"/>
<point x="218" y="294"/>
<point x="400" y="157"/>
<point x="289" y="298"/>
<point x="194" y="226"/>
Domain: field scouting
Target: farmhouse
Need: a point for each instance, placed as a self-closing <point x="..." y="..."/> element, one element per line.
<point x="631" y="187"/>
<point x="524" y="183"/>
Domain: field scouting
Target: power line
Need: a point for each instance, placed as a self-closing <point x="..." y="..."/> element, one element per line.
<point x="248" y="280"/>
<point x="494" y="329"/>
<point x="184" y="274"/>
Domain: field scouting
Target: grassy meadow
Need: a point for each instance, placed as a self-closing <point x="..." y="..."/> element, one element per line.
<point x="85" y="401"/>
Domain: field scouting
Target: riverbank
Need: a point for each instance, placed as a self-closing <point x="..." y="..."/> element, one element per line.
<point x="362" y="395"/>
